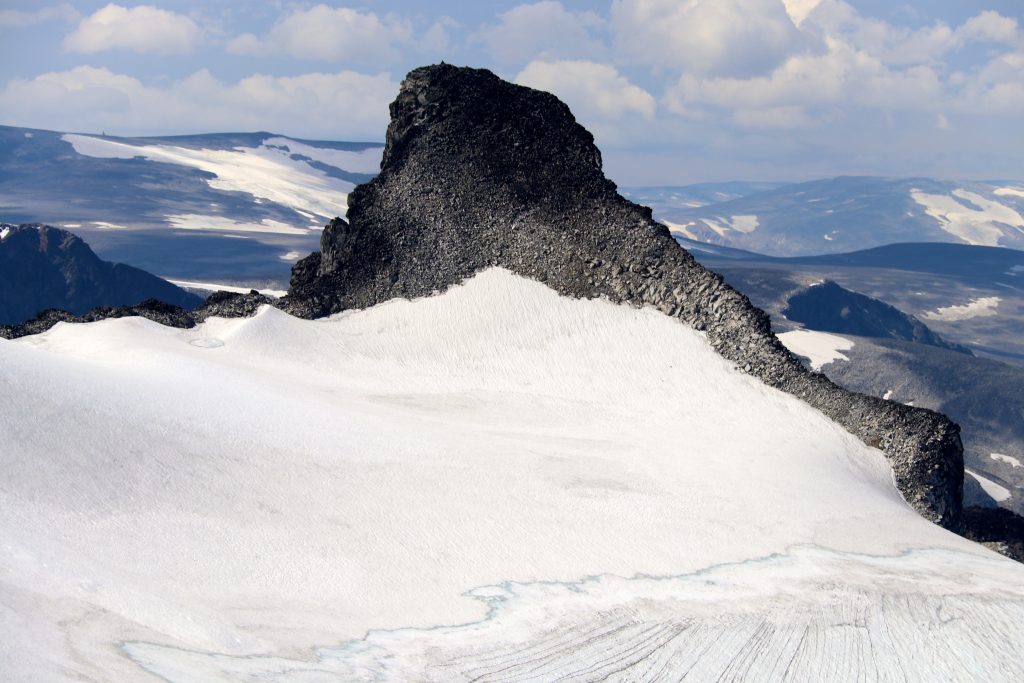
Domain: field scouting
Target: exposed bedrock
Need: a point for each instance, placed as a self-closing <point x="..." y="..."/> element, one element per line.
<point x="219" y="304"/>
<point x="478" y="172"/>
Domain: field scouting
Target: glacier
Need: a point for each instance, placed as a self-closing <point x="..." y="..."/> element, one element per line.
<point x="493" y="483"/>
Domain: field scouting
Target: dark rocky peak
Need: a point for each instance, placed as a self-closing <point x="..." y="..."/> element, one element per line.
<point x="43" y="267"/>
<point x="525" y="140"/>
<point x="478" y="172"/>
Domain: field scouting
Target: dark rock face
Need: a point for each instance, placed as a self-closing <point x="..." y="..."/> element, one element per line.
<point x="831" y="308"/>
<point x="43" y="267"/>
<point x="478" y="172"/>
<point x="231" y="305"/>
<point x="984" y="396"/>
<point x="998" y="528"/>
<point x="219" y="304"/>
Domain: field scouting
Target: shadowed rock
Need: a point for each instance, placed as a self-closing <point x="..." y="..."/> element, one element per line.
<point x="831" y="308"/>
<point x="43" y="267"/>
<point x="219" y="304"/>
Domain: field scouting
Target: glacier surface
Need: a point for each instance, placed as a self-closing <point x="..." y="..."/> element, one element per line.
<point x="494" y="483"/>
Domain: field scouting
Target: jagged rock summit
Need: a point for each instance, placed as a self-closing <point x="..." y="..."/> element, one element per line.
<point x="478" y="172"/>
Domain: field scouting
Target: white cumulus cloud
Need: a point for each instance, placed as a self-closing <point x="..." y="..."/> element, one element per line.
<point x="143" y="28"/>
<point x="595" y="92"/>
<point x="712" y="37"/>
<point x="342" y="105"/>
<point x="334" y="34"/>
<point x="542" y="30"/>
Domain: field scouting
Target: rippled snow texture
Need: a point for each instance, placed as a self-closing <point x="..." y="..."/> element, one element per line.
<point x="496" y="482"/>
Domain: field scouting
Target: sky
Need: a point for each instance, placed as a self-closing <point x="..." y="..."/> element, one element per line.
<point x="675" y="91"/>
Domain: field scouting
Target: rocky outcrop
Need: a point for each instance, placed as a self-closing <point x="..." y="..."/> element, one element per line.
<point x="43" y="267"/>
<point x="998" y="528"/>
<point x="219" y="304"/>
<point x="478" y="172"/>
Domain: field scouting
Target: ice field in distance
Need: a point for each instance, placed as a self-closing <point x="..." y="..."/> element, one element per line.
<point x="494" y="483"/>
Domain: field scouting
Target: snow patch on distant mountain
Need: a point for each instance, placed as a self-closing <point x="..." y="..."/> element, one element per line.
<point x="820" y="348"/>
<point x="1008" y="459"/>
<point x="997" y="492"/>
<point x="983" y="307"/>
<point x="223" y="223"/>
<point x="981" y="224"/>
<point x="1008" y="192"/>
<point x="743" y="224"/>
<point x="364" y="161"/>
<point x="265" y="172"/>
<point x="217" y="287"/>
<point x="684" y="230"/>
<point x="4" y="232"/>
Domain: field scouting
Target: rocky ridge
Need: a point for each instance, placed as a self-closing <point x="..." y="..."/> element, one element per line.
<point x="478" y="173"/>
<point x="218" y="304"/>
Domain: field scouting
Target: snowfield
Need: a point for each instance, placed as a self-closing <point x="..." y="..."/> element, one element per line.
<point x="495" y="483"/>
<point x="970" y="216"/>
<point x="998" y="492"/>
<point x="1008" y="459"/>
<point x="721" y="225"/>
<point x="266" y="172"/>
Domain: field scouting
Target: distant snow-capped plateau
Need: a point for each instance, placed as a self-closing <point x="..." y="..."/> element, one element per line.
<point x="842" y="214"/>
<point x="217" y="207"/>
<point x="239" y="208"/>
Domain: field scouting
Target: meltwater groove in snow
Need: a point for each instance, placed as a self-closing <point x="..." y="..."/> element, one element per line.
<point x="265" y="498"/>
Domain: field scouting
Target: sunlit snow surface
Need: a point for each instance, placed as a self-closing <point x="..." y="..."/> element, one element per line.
<point x="496" y="483"/>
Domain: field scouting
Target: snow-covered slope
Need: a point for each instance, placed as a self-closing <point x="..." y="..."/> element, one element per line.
<point x="495" y="483"/>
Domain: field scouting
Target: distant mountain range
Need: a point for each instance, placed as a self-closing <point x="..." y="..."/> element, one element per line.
<point x="43" y="267"/>
<point x="841" y="214"/>
<point x="240" y="208"/>
<point x="225" y="207"/>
